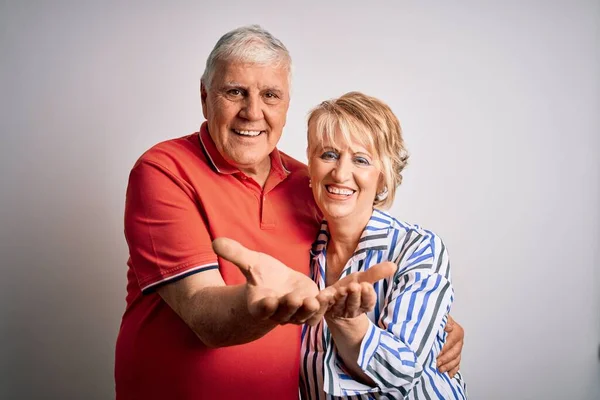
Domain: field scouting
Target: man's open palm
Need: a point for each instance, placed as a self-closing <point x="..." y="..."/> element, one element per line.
<point x="274" y="290"/>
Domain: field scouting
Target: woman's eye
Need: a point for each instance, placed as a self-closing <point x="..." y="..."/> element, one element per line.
<point x="362" y="161"/>
<point x="329" y="155"/>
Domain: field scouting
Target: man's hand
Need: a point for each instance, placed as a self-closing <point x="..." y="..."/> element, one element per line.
<point x="274" y="291"/>
<point x="449" y="358"/>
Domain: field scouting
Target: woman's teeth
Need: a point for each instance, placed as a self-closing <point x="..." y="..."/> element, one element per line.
<point x="335" y="190"/>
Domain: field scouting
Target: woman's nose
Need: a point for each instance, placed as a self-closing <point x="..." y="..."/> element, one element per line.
<point x="342" y="170"/>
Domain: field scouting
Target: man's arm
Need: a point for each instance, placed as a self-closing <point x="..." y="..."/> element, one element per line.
<point x="222" y="315"/>
<point x="168" y="237"/>
<point x="217" y="313"/>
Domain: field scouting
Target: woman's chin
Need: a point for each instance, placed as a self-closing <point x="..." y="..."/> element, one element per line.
<point x="339" y="213"/>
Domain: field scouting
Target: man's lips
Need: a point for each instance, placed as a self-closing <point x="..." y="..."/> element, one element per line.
<point x="248" y="132"/>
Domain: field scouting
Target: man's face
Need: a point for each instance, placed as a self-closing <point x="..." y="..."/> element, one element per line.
<point x="246" y="109"/>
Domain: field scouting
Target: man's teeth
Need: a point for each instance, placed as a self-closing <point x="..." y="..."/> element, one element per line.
<point x="247" y="133"/>
<point x="335" y="190"/>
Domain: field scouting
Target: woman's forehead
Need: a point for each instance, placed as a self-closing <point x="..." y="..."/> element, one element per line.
<point x="356" y="142"/>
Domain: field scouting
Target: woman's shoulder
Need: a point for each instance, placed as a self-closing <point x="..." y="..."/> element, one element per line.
<point x="414" y="248"/>
<point x="405" y="228"/>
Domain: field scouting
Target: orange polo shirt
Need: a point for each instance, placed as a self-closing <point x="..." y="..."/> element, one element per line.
<point x="181" y="195"/>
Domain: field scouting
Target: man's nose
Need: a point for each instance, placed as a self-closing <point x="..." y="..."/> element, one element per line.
<point x="252" y="109"/>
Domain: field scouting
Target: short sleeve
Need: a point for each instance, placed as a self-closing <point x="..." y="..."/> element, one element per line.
<point x="166" y="233"/>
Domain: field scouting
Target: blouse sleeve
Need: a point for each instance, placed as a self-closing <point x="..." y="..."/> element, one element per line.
<point x="393" y="351"/>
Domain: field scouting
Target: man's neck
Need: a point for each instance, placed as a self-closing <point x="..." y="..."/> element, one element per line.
<point x="258" y="173"/>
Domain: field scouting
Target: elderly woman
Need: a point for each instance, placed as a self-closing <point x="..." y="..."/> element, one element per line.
<point x="378" y="302"/>
<point x="356" y="155"/>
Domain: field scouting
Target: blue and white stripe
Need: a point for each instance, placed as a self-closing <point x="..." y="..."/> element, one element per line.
<point x="407" y="324"/>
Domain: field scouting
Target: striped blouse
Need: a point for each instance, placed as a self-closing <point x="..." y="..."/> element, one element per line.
<point x="406" y="332"/>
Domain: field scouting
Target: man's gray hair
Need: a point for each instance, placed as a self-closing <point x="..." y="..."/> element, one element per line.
<point x="248" y="44"/>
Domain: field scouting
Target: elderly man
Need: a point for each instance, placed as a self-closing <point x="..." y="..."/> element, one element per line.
<point x="194" y="326"/>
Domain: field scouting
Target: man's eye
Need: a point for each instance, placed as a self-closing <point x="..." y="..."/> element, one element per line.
<point x="234" y="92"/>
<point x="329" y="155"/>
<point x="271" y="98"/>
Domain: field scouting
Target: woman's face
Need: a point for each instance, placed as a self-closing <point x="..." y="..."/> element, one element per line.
<point x="344" y="180"/>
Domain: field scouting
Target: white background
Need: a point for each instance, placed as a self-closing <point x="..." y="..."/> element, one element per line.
<point x="500" y="104"/>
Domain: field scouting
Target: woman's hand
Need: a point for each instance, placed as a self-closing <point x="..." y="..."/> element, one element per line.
<point x="352" y="300"/>
<point x="352" y="295"/>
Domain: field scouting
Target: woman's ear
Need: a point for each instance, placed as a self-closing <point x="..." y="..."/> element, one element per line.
<point x="310" y="151"/>
<point x="381" y="183"/>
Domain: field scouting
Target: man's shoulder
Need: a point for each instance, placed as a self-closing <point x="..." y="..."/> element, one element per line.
<point x="172" y="152"/>
<point x="293" y="165"/>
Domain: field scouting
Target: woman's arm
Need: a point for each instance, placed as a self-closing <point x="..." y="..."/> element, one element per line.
<point x="391" y="352"/>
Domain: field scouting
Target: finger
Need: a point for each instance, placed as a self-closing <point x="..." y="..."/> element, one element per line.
<point x="453" y="338"/>
<point x="378" y="272"/>
<point x="449" y="325"/>
<point x="309" y="307"/>
<point x="449" y="353"/>
<point x="326" y="300"/>
<point x="288" y="305"/>
<point x="353" y="301"/>
<point x="368" y="297"/>
<point x="316" y="317"/>
<point x="451" y="365"/>
<point x="454" y="371"/>
<point x="337" y="309"/>
<point x="326" y="297"/>
<point x="264" y="307"/>
<point x="239" y="255"/>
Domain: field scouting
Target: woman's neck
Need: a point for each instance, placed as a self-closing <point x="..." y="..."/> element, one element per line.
<point x="344" y="236"/>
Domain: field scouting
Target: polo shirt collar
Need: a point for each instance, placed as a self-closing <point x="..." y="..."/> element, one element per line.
<point x="222" y="166"/>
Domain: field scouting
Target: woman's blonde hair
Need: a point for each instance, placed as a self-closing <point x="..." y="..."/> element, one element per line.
<point x="368" y="121"/>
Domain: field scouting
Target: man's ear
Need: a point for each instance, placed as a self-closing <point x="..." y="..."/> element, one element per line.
<point x="203" y="96"/>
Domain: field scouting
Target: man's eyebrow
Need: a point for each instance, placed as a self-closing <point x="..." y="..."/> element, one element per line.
<point x="233" y="84"/>
<point x="272" y="88"/>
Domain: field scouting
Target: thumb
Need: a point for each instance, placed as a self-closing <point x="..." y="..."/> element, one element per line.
<point x="378" y="272"/>
<point x="449" y="325"/>
<point x="237" y="254"/>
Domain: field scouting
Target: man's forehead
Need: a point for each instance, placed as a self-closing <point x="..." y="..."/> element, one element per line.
<point x="260" y="84"/>
<point x="240" y="73"/>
